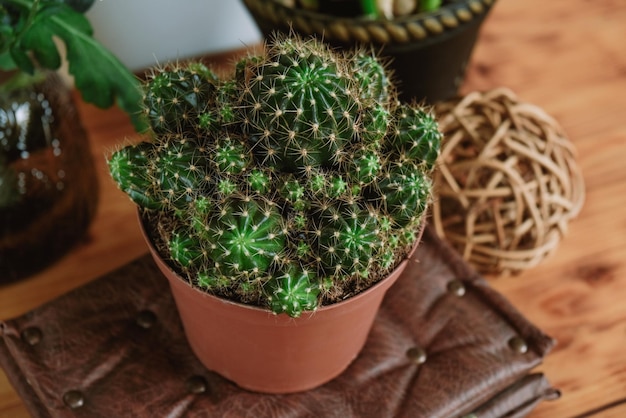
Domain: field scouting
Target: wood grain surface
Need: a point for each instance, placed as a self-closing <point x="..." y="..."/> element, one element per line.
<point x="566" y="56"/>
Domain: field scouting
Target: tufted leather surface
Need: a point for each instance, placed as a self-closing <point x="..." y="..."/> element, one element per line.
<point x="444" y="344"/>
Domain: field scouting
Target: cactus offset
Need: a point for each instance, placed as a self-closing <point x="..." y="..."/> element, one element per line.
<point x="245" y="237"/>
<point x="295" y="179"/>
<point x="175" y="97"/>
<point x="417" y="137"/>
<point x="131" y="168"/>
<point x="293" y="291"/>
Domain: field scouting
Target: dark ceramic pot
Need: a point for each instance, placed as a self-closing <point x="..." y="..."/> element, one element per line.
<point x="428" y="52"/>
<point x="48" y="182"/>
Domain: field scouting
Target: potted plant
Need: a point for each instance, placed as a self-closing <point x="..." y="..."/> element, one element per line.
<point x="280" y="201"/>
<point x="426" y="43"/>
<point x="48" y="183"/>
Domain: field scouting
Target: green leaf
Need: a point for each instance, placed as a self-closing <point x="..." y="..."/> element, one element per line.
<point x="98" y="74"/>
<point x="6" y="61"/>
<point x="22" y="60"/>
<point x="42" y="44"/>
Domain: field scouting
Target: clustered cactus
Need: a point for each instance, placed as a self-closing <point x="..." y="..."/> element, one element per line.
<point x="296" y="181"/>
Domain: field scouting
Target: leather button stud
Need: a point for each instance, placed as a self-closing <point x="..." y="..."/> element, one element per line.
<point x="145" y="319"/>
<point x="456" y="287"/>
<point x="73" y="399"/>
<point x="31" y="335"/>
<point x="416" y="355"/>
<point x="518" y="345"/>
<point x="196" y="385"/>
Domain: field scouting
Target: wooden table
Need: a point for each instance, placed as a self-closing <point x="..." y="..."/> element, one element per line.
<point x="566" y="56"/>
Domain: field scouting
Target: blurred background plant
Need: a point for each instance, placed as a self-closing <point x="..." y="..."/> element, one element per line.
<point x="48" y="184"/>
<point x="28" y="29"/>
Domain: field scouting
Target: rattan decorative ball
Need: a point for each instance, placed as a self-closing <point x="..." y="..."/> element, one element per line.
<point x="507" y="183"/>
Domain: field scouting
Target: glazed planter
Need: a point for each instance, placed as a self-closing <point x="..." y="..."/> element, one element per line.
<point x="428" y="52"/>
<point x="264" y="352"/>
<point x="48" y="182"/>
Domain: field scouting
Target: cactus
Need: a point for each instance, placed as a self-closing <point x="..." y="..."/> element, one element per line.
<point x="177" y="96"/>
<point x="417" y="136"/>
<point x="300" y="105"/>
<point x="288" y="184"/>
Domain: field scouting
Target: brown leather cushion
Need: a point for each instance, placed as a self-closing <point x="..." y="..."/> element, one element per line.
<point x="444" y="344"/>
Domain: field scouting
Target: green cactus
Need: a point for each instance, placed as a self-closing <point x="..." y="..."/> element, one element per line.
<point x="299" y="178"/>
<point x="347" y="239"/>
<point x="185" y="248"/>
<point x="371" y="75"/>
<point x="231" y="156"/>
<point x="246" y="236"/>
<point x="404" y="193"/>
<point x="417" y="136"/>
<point x="181" y="172"/>
<point x="259" y="180"/>
<point x="131" y="168"/>
<point x="293" y="292"/>
<point x="366" y="166"/>
<point x="301" y="106"/>
<point x="176" y="97"/>
<point x="376" y="120"/>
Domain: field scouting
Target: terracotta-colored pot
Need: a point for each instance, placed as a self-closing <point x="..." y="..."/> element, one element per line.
<point x="270" y="353"/>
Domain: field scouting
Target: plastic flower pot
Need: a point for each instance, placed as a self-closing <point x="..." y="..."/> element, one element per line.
<point x="264" y="352"/>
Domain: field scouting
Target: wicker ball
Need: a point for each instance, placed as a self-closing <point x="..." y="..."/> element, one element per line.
<point x="507" y="183"/>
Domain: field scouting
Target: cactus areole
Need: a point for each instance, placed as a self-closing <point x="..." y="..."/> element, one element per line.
<point x="297" y="181"/>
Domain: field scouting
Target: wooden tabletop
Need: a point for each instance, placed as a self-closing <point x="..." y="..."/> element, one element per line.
<point x="569" y="58"/>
